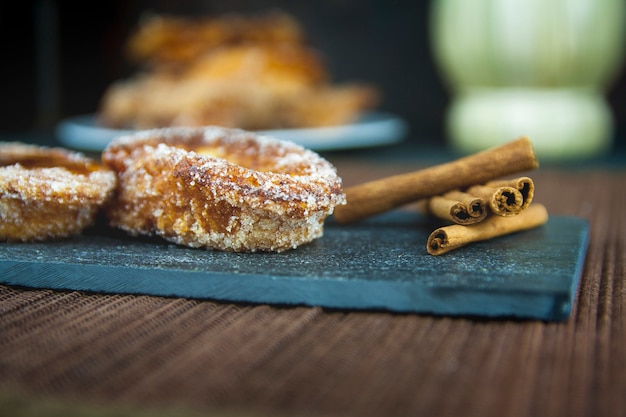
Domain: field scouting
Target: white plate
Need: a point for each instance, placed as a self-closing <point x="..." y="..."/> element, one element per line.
<point x="372" y="129"/>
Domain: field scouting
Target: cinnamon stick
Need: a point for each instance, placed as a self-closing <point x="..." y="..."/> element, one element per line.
<point x="451" y="237"/>
<point x="458" y="207"/>
<point x="503" y="201"/>
<point x="524" y="185"/>
<point x="388" y="193"/>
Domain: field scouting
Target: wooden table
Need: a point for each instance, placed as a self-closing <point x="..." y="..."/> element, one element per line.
<point x="115" y="354"/>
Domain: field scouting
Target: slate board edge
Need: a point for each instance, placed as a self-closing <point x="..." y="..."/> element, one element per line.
<point x="554" y="304"/>
<point x="369" y="295"/>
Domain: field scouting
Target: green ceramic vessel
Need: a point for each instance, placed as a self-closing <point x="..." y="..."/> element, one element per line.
<point x="529" y="67"/>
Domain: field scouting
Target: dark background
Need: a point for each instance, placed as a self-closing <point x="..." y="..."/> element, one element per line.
<point x="58" y="57"/>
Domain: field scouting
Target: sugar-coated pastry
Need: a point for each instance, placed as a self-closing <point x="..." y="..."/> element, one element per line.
<point x="248" y="72"/>
<point x="219" y="188"/>
<point x="48" y="193"/>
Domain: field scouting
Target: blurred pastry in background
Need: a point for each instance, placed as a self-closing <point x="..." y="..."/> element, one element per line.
<point x="177" y="41"/>
<point x="252" y="73"/>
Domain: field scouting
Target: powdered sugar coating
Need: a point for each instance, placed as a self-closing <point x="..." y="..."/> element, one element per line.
<point x="223" y="189"/>
<point x="48" y="193"/>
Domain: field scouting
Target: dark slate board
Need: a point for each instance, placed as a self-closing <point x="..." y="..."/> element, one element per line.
<point x="379" y="264"/>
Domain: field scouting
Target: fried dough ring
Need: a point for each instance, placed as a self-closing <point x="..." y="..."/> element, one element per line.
<point x="175" y="41"/>
<point x="223" y="189"/>
<point x="247" y="72"/>
<point x="48" y="193"/>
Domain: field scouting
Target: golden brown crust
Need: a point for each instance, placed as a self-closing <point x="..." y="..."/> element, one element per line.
<point x="222" y="189"/>
<point x="248" y="72"/>
<point x="48" y="193"/>
<point x="176" y="41"/>
<point x="149" y="102"/>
